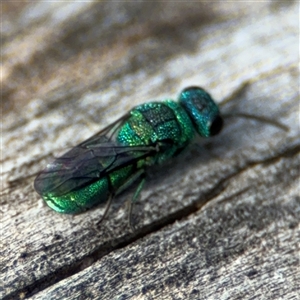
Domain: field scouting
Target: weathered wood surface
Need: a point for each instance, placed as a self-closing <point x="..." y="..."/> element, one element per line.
<point x="69" y="69"/>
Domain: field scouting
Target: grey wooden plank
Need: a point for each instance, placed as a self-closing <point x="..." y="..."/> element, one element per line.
<point x="244" y="245"/>
<point x="71" y="69"/>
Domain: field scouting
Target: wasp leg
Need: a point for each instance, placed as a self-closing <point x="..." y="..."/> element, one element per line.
<point x="134" y="199"/>
<point x="139" y="174"/>
<point x="111" y="196"/>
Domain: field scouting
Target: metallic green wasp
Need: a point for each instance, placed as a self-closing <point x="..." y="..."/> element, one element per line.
<point x="96" y="170"/>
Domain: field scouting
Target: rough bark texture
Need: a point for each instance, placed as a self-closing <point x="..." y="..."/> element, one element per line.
<point x="219" y="222"/>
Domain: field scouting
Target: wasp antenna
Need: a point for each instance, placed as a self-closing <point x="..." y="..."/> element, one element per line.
<point x="258" y="118"/>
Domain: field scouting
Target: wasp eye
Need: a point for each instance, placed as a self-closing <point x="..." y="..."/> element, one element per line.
<point x="216" y="126"/>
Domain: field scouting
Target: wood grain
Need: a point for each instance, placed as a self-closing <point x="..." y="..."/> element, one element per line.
<point x="219" y="222"/>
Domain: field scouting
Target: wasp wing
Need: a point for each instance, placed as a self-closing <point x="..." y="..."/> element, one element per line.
<point x="105" y="135"/>
<point x="81" y="167"/>
<point x="90" y="161"/>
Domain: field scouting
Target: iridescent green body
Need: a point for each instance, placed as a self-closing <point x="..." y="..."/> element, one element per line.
<point x="113" y="159"/>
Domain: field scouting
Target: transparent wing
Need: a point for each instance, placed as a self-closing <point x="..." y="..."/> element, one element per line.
<point x="89" y="161"/>
<point x="105" y="135"/>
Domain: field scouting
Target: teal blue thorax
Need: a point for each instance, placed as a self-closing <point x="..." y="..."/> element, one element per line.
<point x="165" y="124"/>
